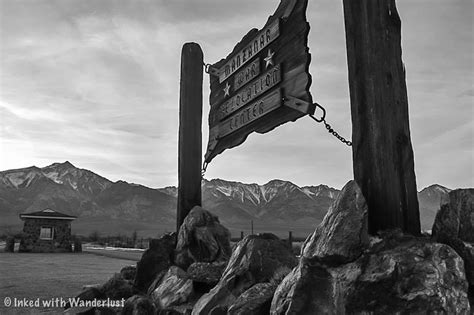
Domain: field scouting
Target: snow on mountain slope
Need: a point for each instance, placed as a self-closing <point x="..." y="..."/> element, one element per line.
<point x="20" y="177"/>
<point x="80" y="192"/>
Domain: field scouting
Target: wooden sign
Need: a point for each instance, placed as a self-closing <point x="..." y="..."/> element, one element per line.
<point x="264" y="82"/>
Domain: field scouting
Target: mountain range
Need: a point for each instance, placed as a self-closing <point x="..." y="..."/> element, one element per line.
<point x="112" y="208"/>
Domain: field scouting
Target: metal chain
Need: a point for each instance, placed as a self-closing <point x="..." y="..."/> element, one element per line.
<point x="328" y="126"/>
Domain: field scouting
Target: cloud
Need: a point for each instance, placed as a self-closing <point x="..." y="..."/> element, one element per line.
<point x="97" y="83"/>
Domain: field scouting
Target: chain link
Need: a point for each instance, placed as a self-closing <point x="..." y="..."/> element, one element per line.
<point x="328" y="126"/>
<point x="335" y="134"/>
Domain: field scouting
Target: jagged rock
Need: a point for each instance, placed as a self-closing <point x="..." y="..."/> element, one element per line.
<point x="219" y="310"/>
<point x="413" y="277"/>
<point x="408" y="275"/>
<point x="343" y="234"/>
<point x="138" y="305"/>
<point x="201" y="238"/>
<point x="174" y="288"/>
<point x="468" y="257"/>
<point x="466" y="251"/>
<point x="310" y="288"/>
<point x="128" y="272"/>
<point x="454" y="226"/>
<point x="255" y="260"/>
<point x="455" y="219"/>
<point x="205" y="275"/>
<point x="254" y="301"/>
<point x="156" y="282"/>
<point x="158" y="257"/>
<point x="117" y="288"/>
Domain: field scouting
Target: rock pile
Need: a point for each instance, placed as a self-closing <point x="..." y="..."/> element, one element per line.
<point x="155" y="261"/>
<point x="202" y="238"/>
<point x="341" y="269"/>
<point x="248" y="277"/>
<point x="174" y="272"/>
<point x="395" y="273"/>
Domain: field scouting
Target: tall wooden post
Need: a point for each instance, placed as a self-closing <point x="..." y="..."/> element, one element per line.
<point x="382" y="151"/>
<point x="190" y="137"/>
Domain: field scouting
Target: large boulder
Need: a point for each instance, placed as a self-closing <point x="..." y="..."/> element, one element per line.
<point x="468" y="257"/>
<point x="206" y="275"/>
<point x="342" y="270"/>
<point x="256" y="259"/>
<point x="175" y="288"/>
<point x="157" y="258"/>
<point x="455" y="219"/>
<point x="117" y="288"/>
<point x="454" y="226"/>
<point x="254" y="301"/>
<point x="414" y="277"/>
<point x="395" y="275"/>
<point x="343" y="234"/>
<point x="202" y="238"/>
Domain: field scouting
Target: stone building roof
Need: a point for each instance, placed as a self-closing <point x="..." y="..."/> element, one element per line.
<point x="47" y="214"/>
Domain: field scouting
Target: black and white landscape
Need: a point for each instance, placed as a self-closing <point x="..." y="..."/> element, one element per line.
<point x="120" y="207"/>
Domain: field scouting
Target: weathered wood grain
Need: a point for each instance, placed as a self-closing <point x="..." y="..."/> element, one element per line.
<point x="190" y="136"/>
<point x="290" y="52"/>
<point x="382" y="149"/>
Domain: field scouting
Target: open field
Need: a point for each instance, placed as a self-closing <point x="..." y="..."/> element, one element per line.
<point x="133" y="255"/>
<point x="10" y="224"/>
<point x="47" y="276"/>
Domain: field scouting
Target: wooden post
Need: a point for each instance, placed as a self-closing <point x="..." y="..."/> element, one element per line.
<point x="241" y="235"/>
<point x="382" y="150"/>
<point x="251" y="227"/>
<point x="290" y="238"/>
<point x="190" y="137"/>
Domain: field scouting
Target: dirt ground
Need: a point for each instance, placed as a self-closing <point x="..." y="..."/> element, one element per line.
<point x="47" y="276"/>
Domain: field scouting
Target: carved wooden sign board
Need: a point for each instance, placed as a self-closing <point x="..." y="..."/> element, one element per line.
<point x="264" y="82"/>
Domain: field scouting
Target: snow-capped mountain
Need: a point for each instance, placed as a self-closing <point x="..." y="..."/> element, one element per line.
<point x="81" y="180"/>
<point x="275" y="201"/>
<point x="122" y="207"/>
<point x="80" y="192"/>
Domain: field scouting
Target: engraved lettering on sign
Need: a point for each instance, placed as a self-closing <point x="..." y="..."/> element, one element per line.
<point x="262" y="40"/>
<point x="245" y="75"/>
<point x="251" y="91"/>
<point x="250" y="113"/>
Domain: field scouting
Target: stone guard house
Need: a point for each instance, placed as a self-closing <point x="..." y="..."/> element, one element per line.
<point x="46" y="231"/>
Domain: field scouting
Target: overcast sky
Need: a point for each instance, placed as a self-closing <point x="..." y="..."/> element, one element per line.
<point x="97" y="83"/>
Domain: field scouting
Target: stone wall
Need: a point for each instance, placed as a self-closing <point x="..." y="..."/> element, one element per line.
<point x="31" y="241"/>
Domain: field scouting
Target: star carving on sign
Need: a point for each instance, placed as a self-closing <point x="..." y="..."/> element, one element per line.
<point x="226" y="89"/>
<point x="269" y="59"/>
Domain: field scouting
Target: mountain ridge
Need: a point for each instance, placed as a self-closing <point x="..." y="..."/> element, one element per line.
<point x="275" y="205"/>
